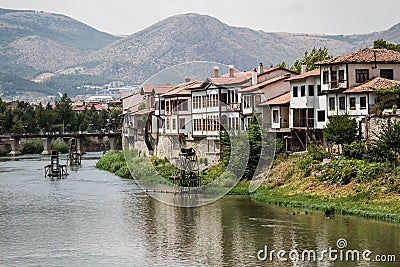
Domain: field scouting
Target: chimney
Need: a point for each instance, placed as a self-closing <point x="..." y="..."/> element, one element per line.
<point x="303" y="69"/>
<point x="231" y="71"/>
<point x="254" y="75"/>
<point x="260" y="69"/>
<point x="187" y="80"/>
<point x="216" y="69"/>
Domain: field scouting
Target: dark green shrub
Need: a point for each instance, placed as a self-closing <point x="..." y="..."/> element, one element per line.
<point x="33" y="146"/>
<point x="355" y="150"/>
<point x="59" y="145"/>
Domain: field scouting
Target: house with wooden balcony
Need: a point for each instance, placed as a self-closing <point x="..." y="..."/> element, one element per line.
<point x="307" y="108"/>
<point x="255" y="97"/>
<point x="348" y="81"/>
<point x="218" y="102"/>
<point x="174" y="110"/>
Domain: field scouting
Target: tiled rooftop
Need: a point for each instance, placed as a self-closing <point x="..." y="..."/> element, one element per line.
<point x="376" y="83"/>
<point x="279" y="100"/>
<point x="315" y="72"/>
<point x="366" y="55"/>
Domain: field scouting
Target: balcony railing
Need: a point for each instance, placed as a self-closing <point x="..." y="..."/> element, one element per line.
<point x="233" y="106"/>
<point x="303" y="123"/>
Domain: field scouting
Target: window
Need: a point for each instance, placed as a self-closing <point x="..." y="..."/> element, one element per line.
<point x="182" y="123"/>
<point x="319" y="91"/>
<point x="224" y="98"/>
<point x="167" y="111"/>
<point x="162" y="105"/>
<point x="197" y="125"/>
<point x="342" y="103"/>
<point x="387" y="73"/>
<point x="333" y="75"/>
<point x="167" y="123"/>
<point x="321" y="115"/>
<point x="311" y="90"/>
<point x="204" y="101"/>
<point x="362" y="76"/>
<point x="363" y="102"/>
<point x="325" y="77"/>
<point x="341" y="76"/>
<point x="352" y="103"/>
<point x="182" y="105"/>
<point x="331" y="103"/>
<point x="303" y="90"/>
<point x="295" y="91"/>
<point x="247" y="101"/>
<point x="275" y="116"/>
<point x="173" y="124"/>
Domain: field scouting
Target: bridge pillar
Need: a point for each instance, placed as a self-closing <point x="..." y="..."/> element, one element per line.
<point x="15" y="147"/>
<point x="46" y="146"/>
<point x="79" y="146"/>
<point x="113" y="144"/>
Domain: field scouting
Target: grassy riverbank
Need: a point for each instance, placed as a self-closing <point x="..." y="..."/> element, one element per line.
<point x="369" y="191"/>
<point x="334" y="186"/>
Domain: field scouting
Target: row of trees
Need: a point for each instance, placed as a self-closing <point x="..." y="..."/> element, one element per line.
<point x="27" y="119"/>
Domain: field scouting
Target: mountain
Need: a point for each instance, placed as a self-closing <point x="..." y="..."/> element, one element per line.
<point x="11" y="85"/>
<point x="45" y="41"/>
<point x="190" y="37"/>
<point x="32" y="42"/>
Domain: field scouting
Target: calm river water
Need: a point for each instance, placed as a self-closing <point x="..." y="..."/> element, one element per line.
<point x="93" y="218"/>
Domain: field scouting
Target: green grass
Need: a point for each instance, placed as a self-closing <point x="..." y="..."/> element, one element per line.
<point x="293" y="184"/>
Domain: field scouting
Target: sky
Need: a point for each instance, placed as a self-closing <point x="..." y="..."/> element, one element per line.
<point x="124" y="17"/>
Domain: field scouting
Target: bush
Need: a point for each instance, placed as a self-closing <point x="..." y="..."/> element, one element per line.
<point x="344" y="170"/>
<point x="355" y="150"/>
<point x="314" y="155"/>
<point x="33" y="146"/>
<point x="59" y="145"/>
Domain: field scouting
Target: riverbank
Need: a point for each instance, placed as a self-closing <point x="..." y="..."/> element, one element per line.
<point x="336" y="186"/>
<point x="289" y="185"/>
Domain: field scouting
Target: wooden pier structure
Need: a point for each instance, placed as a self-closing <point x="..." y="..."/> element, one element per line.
<point x="55" y="169"/>
<point x="188" y="174"/>
<point x="74" y="157"/>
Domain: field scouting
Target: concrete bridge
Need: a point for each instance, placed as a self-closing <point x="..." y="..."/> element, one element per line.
<point x="47" y="138"/>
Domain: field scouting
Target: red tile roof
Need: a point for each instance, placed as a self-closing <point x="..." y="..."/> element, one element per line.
<point x="370" y="86"/>
<point x="239" y="78"/>
<point x="305" y="75"/>
<point x="279" y="100"/>
<point x="183" y="89"/>
<point x="263" y="84"/>
<point x="159" y="89"/>
<point x="366" y="55"/>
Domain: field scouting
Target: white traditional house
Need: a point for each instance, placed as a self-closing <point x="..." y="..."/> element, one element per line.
<point x="218" y="102"/>
<point x="307" y="103"/>
<point x="174" y="108"/>
<point x="348" y="80"/>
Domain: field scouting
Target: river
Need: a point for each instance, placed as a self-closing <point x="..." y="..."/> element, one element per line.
<point x="93" y="218"/>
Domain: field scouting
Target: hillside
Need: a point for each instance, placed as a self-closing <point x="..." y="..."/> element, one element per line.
<point x="32" y="42"/>
<point x="45" y="41"/>
<point x="190" y="37"/>
<point x="11" y="85"/>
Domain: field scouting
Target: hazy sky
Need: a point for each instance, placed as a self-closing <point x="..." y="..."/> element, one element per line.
<point x="307" y="16"/>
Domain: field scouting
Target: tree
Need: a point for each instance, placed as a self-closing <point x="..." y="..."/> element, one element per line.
<point x="382" y="44"/>
<point x="251" y="147"/>
<point x="63" y="110"/>
<point x="387" y="144"/>
<point x="310" y="59"/>
<point x="341" y="129"/>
